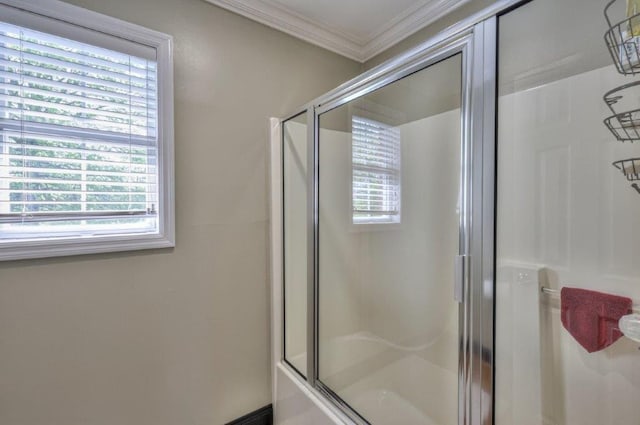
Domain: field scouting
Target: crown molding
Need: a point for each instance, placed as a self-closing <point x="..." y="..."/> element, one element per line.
<point x="400" y="27"/>
<point x="406" y="24"/>
<point x="293" y="24"/>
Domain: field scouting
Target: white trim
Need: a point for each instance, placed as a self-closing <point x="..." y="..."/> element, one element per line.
<point x="166" y="150"/>
<point x="76" y="246"/>
<point x="163" y="44"/>
<point x="95" y="21"/>
<point x="346" y="44"/>
<point x="293" y="24"/>
<point x="275" y="180"/>
<point x="410" y="22"/>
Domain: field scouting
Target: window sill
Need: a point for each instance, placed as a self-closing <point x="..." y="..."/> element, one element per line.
<point x="375" y="227"/>
<point x="79" y="246"/>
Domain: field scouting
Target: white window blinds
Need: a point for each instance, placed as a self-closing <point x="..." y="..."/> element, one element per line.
<point x="78" y="137"/>
<point x="376" y="172"/>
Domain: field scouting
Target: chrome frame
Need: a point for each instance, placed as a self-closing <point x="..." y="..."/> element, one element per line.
<point x="338" y="402"/>
<point x="464" y="26"/>
<point x="283" y="330"/>
<point x="412" y="63"/>
<point x="479" y="349"/>
<point x="476" y="39"/>
<point x="312" y="246"/>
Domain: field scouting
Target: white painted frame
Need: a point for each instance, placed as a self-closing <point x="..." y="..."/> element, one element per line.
<point x="163" y="45"/>
<point x="275" y="184"/>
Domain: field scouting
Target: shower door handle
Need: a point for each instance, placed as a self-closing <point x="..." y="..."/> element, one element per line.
<point x="460" y="277"/>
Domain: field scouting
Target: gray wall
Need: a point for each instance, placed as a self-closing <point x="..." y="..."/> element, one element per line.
<point x="171" y="337"/>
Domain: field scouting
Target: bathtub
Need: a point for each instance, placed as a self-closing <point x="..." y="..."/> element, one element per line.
<point x="395" y="384"/>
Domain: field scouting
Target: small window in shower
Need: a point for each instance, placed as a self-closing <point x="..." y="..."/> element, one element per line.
<point x="375" y="159"/>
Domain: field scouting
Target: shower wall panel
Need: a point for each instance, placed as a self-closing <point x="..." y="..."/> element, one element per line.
<point x="565" y="217"/>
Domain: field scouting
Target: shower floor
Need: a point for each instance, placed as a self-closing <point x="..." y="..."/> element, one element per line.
<point x="409" y="391"/>
<point x="387" y="407"/>
<point x="394" y="385"/>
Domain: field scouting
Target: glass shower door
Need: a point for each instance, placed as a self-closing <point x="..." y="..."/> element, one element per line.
<point x="567" y="213"/>
<point x="388" y="236"/>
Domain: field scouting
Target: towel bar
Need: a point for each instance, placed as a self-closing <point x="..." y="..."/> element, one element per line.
<point x="549" y="291"/>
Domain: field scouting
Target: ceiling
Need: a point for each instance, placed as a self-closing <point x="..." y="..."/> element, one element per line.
<point x="357" y="29"/>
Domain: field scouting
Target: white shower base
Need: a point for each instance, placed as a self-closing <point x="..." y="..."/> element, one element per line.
<point x="385" y="383"/>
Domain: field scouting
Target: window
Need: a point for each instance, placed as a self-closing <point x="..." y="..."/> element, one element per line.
<point x="376" y="172"/>
<point x="85" y="134"/>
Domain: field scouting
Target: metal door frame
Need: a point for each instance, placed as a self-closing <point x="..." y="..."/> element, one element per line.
<point x="476" y="39"/>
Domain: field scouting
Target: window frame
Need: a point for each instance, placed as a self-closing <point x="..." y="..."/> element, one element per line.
<point x="74" y="17"/>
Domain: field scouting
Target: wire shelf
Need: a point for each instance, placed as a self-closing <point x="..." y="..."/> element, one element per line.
<point x="623" y="41"/>
<point x="625" y="121"/>
<point x="630" y="168"/>
<point x="625" y="126"/>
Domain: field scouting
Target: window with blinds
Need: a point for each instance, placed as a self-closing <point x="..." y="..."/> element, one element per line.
<point x="376" y="172"/>
<point x="86" y="133"/>
<point x="78" y="138"/>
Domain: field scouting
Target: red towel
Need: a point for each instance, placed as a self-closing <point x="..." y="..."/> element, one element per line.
<point x="592" y="317"/>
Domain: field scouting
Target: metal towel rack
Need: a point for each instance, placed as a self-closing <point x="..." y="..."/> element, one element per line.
<point x="549" y="291"/>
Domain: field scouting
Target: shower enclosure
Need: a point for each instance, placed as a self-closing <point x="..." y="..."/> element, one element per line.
<point x="426" y="214"/>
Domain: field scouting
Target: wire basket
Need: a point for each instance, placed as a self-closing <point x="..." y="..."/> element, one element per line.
<point x="623" y="41"/>
<point x="630" y="168"/>
<point x="625" y="121"/>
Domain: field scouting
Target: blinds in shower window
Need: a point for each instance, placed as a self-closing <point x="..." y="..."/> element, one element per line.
<point x="78" y="137"/>
<point x="376" y="171"/>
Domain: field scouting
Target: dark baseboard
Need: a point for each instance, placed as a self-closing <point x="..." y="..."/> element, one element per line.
<point x="262" y="416"/>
